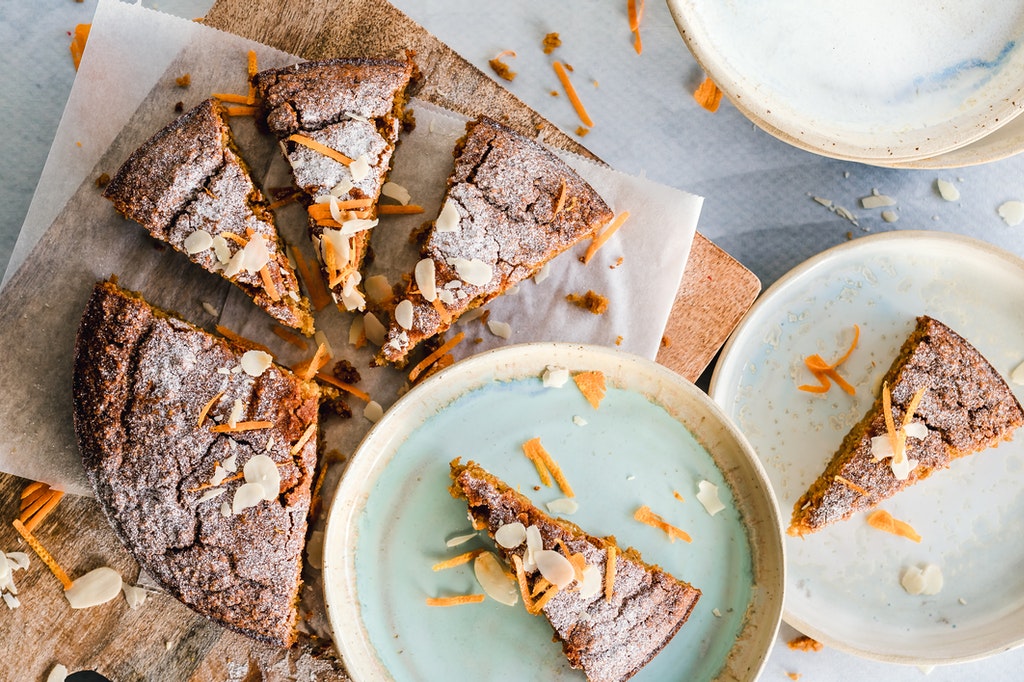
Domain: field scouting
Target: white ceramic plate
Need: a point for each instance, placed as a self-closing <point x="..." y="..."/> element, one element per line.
<point x="843" y="583"/>
<point x="872" y="81"/>
<point x="654" y="433"/>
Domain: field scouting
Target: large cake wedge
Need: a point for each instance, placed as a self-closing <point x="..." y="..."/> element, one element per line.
<point x="202" y="455"/>
<point x="510" y="207"/>
<point x="188" y="186"/>
<point x="964" y="407"/>
<point x="609" y="639"/>
<point x="338" y="121"/>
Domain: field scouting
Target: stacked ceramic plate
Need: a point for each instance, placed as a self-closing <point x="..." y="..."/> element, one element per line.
<point x="908" y="84"/>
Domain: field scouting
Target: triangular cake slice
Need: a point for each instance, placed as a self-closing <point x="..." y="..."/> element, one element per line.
<point x="510" y="207"/>
<point x="178" y="429"/>
<point x="188" y="186"/>
<point x="609" y="639"/>
<point x="965" y="407"/>
<point x="338" y="121"/>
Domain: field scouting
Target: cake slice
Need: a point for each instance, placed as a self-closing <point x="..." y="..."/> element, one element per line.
<point x="965" y="406"/>
<point x="215" y="513"/>
<point x="188" y="187"/>
<point x="338" y="121"/>
<point x="510" y="207"/>
<point x="609" y="638"/>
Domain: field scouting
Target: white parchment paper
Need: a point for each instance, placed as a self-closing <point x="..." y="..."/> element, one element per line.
<point x="125" y="92"/>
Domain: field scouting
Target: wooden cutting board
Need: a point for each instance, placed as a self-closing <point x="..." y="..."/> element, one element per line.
<point x="164" y="640"/>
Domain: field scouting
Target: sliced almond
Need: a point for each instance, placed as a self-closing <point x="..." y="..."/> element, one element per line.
<point x="96" y="587"/>
<point x="496" y="583"/>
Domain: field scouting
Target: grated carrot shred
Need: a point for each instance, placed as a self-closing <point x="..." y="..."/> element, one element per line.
<point x="323" y="211"/>
<point x="289" y="198"/>
<point x="599" y="240"/>
<point x="33" y="487"/>
<point x="529" y="449"/>
<point x="822" y="370"/>
<point x="268" y="284"/>
<point x="560" y="202"/>
<point x="78" y="41"/>
<point x="307" y="369"/>
<point x="455" y="601"/>
<point x="231" y="98"/>
<point x="592" y="386"/>
<point x="288" y="337"/>
<point x="548" y="594"/>
<point x="430" y="359"/>
<point x="890" y="426"/>
<point x="206" y="409"/>
<point x="524" y="589"/>
<point x="645" y="515"/>
<point x="536" y="452"/>
<point x="40" y="490"/>
<point x="236" y="238"/>
<point x="318" y="294"/>
<point x="675" y="494"/>
<point x="240" y="110"/>
<point x="41" y="552"/>
<point x="636" y="13"/>
<point x="322" y="148"/>
<point x="708" y="95"/>
<point x="398" y="209"/>
<point x="609" y="573"/>
<point x="463" y="558"/>
<point x="884" y="521"/>
<point x="303" y="439"/>
<point x="348" y="388"/>
<point x="34" y="519"/>
<point x="239" y="427"/>
<point x="539" y="586"/>
<point x="331" y="263"/>
<point x="240" y="340"/>
<point x="252" y="68"/>
<point x="570" y="92"/>
<point x="851" y="485"/>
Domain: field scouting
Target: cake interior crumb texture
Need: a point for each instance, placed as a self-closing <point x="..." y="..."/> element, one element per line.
<point x="967" y="407"/>
<point x="141" y="380"/>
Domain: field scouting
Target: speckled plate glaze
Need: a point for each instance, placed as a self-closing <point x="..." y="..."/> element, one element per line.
<point x="653" y="433"/>
<point x="843" y="583"/>
<point x="873" y="81"/>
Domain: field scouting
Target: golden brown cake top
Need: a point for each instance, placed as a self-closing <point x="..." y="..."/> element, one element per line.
<point x="142" y="380"/>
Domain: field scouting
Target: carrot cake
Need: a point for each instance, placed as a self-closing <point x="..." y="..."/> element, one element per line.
<point x="201" y="453"/>
<point x="511" y="206"/>
<point x="338" y="121"/>
<point x="946" y="401"/>
<point x="609" y="634"/>
<point x="188" y="186"/>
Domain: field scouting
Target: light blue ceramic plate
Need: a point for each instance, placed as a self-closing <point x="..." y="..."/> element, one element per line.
<point x="843" y="583"/>
<point x="654" y="434"/>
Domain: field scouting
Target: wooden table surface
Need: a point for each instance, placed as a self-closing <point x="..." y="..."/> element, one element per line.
<point x="164" y="640"/>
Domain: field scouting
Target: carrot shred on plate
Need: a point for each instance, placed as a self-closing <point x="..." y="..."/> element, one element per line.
<point x="851" y="485"/>
<point x="268" y="284"/>
<point x="239" y="427"/>
<point x="708" y="95"/>
<point x="574" y="98"/>
<point x="322" y="148"/>
<point x="599" y="240"/>
<point x="884" y="521"/>
<point x="303" y="439"/>
<point x="315" y="287"/>
<point x="458" y="600"/>
<point x="348" y="388"/>
<point x="539" y="456"/>
<point x="240" y="110"/>
<point x="206" y="409"/>
<point x="645" y="515"/>
<point x="396" y="209"/>
<point x="240" y="340"/>
<point x="609" y="573"/>
<point x="636" y="12"/>
<point x="823" y="371"/>
<point x="458" y="560"/>
<point x="592" y="386"/>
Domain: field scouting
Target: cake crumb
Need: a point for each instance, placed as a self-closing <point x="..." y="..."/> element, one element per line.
<point x="618" y="340"/>
<point x="179" y="107"/>
<point x="793" y="676"/>
<point x="805" y="643"/>
<point x="500" y="68"/>
<point x="665" y="342"/>
<point x="555" y="93"/>
<point x="103" y="180"/>
<point x="184" y="80"/>
<point x="582" y="131"/>
<point x="617" y="263"/>
<point x="551" y="41"/>
<point x="591" y="302"/>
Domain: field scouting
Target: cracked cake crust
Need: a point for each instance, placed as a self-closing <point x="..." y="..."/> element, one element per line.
<point x="141" y="378"/>
<point x="609" y="640"/>
<point x="519" y="206"/>
<point x="189" y="177"/>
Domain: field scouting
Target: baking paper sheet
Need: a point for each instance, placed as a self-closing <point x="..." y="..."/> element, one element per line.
<point x="125" y="92"/>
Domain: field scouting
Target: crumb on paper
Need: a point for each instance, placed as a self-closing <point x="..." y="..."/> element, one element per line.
<point x="555" y="93"/>
<point x="179" y="107"/>
<point x="618" y="340"/>
<point x="550" y="42"/>
<point x="793" y="676"/>
<point x="500" y="68"/>
<point x="805" y="643"/>
<point x="666" y="341"/>
<point x="184" y="80"/>
<point x="591" y="301"/>
<point x="582" y="131"/>
<point x="103" y="180"/>
<point x="617" y="263"/>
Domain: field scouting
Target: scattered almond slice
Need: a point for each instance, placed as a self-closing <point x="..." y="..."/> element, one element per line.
<point x="96" y="587"/>
<point x="459" y="539"/>
<point x="496" y="583"/>
<point x="947" y="190"/>
<point x="564" y="506"/>
<point x="1012" y="212"/>
<point x="707" y="495"/>
<point x="502" y="330"/>
<point x="926" y="580"/>
<point x="373" y="411"/>
<point x="510" y="535"/>
<point x="556" y="377"/>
